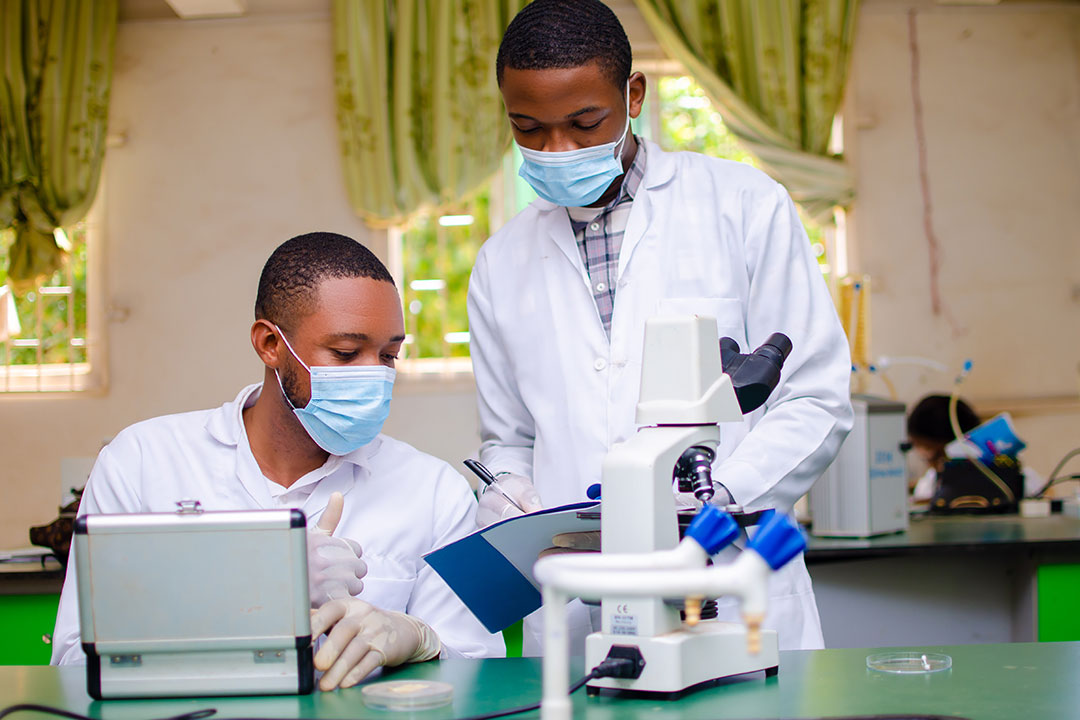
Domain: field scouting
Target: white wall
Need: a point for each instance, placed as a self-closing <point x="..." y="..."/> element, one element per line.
<point x="1001" y="100"/>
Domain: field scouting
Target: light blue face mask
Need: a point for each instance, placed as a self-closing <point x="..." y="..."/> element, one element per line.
<point x="575" y="178"/>
<point x="348" y="405"/>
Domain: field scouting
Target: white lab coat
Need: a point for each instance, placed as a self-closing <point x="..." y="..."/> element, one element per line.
<point x="399" y="504"/>
<point x="704" y="236"/>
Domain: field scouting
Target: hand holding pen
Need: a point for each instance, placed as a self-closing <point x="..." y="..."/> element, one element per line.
<point x="504" y="495"/>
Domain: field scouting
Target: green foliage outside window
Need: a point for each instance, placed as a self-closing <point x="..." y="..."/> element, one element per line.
<point x="689" y="122"/>
<point x="50" y="318"/>
<point x="432" y="252"/>
<point x="436" y="262"/>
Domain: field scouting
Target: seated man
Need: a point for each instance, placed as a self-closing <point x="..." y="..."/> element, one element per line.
<point x="328" y="327"/>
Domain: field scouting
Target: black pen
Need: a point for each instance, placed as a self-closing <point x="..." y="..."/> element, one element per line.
<point x="485" y="475"/>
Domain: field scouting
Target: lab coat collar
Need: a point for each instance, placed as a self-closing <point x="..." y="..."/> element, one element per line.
<point x="227" y="423"/>
<point x="659" y="170"/>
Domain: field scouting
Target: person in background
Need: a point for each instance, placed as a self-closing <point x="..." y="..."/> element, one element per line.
<point x="328" y="327"/>
<point x="559" y="297"/>
<point x="929" y="430"/>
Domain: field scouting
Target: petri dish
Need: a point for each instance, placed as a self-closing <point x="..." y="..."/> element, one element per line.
<point x="908" y="663"/>
<point x="407" y="694"/>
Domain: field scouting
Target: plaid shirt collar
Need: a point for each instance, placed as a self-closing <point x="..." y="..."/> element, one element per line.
<point x="631" y="181"/>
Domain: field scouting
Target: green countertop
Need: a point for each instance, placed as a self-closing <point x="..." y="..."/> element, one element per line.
<point x="987" y="682"/>
<point x="969" y="533"/>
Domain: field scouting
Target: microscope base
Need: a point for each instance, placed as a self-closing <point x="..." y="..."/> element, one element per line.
<point x="685" y="658"/>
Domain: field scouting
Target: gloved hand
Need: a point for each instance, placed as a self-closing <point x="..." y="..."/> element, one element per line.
<point x="494" y="507"/>
<point x="335" y="569"/>
<point x="362" y="637"/>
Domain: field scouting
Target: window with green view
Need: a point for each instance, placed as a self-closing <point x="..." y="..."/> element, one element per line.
<point x="437" y="251"/>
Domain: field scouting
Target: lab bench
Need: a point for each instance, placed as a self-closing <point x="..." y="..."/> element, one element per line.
<point x="950" y="580"/>
<point x="29" y="595"/>
<point x="986" y="682"/>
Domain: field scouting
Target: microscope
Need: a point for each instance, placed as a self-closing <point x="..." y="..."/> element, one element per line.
<point x="645" y="576"/>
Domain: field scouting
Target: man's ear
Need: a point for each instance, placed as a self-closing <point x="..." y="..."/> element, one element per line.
<point x="637" y="93"/>
<point x="267" y="343"/>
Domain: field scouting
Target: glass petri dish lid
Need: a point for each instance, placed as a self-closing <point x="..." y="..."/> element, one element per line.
<point x="908" y="663"/>
<point x="407" y="694"/>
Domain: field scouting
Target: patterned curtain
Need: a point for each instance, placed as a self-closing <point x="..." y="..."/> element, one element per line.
<point x="56" y="70"/>
<point x="419" y="111"/>
<point x="776" y="70"/>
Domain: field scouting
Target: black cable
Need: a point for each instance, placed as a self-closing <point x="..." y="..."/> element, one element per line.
<point x="200" y="714"/>
<point x="535" y="706"/>
<point x="598" y="671"/>
<point x="1054" y="479"/>
<point x="46" y="710"/>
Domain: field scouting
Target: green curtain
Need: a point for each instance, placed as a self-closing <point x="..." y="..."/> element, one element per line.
<point x="419" y="111"/>
<point x="57" y="60"/>
<point x="776" y="69"/>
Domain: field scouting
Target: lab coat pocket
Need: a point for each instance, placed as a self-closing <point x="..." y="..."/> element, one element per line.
<point x="727" y="311"/>
<point x="388" y="593"/>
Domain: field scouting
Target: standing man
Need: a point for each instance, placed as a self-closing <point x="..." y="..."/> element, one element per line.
<point x="328" y="328"/>
<point x="622" y="231"/>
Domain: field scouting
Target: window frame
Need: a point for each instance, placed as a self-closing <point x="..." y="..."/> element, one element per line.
<point x="88" y="378"/>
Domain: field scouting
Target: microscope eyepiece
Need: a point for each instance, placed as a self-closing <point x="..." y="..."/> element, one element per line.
<point x="778" y="342"/>
<point x="755" y="375"/>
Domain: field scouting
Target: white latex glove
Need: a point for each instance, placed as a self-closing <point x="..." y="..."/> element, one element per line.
<point x="362" y="638"/>
<point x="335" y="569"/>
<point x="494" y="507"/>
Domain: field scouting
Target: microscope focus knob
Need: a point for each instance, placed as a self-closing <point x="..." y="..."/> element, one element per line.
<point x="778" y="540"/>
<point x="713" y="529"/>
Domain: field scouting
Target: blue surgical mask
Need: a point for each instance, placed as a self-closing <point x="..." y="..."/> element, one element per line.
<point x="575" y="178"/>
<point x="348" y="405"/>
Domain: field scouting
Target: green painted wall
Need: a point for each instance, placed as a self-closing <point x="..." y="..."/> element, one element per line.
<point x="512" y="638"/>
<point x="27" y="619"/>
<point x="1059" y="602"/>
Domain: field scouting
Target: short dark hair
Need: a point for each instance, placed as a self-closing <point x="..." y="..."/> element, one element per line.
<point x="550" y="34"/>
<point x="929" y="419"/>
<point x="295" y="269"/>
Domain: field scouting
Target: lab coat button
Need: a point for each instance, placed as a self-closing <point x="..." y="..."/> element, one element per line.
<point x="600" y="364"/>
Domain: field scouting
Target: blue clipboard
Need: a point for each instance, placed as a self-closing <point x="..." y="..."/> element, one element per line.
<point x="491" y="569"/>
